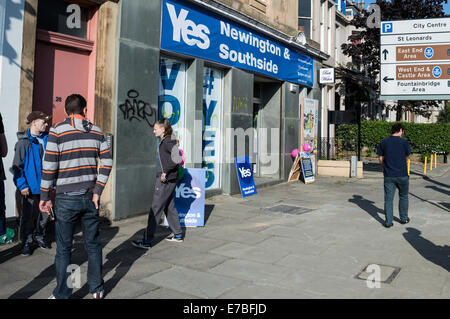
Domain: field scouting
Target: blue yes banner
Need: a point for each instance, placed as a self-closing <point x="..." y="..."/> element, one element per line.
<point x="245" y="176"/>
<point x="194" y="31"/>
<point x="190" y="197"/>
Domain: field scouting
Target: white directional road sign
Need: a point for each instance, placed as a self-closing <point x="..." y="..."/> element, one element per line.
<point x="415" y="59"/>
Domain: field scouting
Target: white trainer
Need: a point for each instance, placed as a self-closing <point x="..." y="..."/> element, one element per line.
<point x="98" y="294"/>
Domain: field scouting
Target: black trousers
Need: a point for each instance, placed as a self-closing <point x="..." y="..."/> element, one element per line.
<point x="33" y="222"/>
<point x="2" y="208"/>
<point x="163" y="199"/>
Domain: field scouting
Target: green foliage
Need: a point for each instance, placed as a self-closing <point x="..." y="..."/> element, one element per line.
<point x="423" y="138"/>
<point x="444" y="115"/>
<point x="422" y="157"/>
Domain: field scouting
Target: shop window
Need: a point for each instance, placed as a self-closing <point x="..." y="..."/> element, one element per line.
<point x="257" y="87"/>
<point x="341" y="6"/>
<point x="305" y="16"/>
<point x="304" y="24"/>
<point x="212" y="126"/>
<point x="261" y="5"/>
<point x="337" y="102"/>
<point x="63" y="17"/>
<point x="171" y="98"/>
<point x="2" y="32"/>
<point x="2" y="23"/>
<point x="304" y="8"/>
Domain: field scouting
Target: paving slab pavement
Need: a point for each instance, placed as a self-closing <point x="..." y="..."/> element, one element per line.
<point x="246" y="250"/>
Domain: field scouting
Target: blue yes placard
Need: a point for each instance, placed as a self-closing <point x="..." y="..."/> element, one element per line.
<point x="190" y="197"/>
<point x="245" y="176"/>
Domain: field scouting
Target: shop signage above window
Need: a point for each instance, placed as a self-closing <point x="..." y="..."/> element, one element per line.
<point x="326" y="76"/>
<point x="194" y="31"/>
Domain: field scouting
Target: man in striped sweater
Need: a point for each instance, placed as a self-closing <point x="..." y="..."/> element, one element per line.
<point x="70" y="165"/>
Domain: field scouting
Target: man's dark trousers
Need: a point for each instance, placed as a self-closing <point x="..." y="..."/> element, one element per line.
<point x="390" y="184"/>
<point x="2" y="208"/>
<point x="68" y="209"/>
<point x="33" y="222"/>
<point x="163" y="197"/>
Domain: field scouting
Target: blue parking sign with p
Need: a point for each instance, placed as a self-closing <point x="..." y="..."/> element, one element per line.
<point x="387" y="27"/>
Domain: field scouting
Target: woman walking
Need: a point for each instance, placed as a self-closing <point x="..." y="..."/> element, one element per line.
<point x="164" y="194"/>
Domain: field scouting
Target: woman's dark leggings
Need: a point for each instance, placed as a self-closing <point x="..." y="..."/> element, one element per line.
<point x="163" y="197"/>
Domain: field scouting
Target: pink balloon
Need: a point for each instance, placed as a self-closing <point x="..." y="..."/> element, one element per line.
<point x="182" y="157"/>
<point x="295" y="152"/>
<point x="306" y="147"/>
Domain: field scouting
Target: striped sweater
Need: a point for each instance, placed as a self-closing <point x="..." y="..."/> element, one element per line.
<point x="70" y="160"/>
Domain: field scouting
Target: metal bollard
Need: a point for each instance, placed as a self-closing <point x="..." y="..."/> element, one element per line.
<point x="409" y="165"/>
<point x="425" y="167"/>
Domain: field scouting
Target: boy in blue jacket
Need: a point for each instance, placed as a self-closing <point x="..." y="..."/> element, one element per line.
<point x="27" y="166"/>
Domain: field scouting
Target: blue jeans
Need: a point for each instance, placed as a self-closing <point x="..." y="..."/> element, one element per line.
<point x="2" y="208"/>
<point x="390" y="184"/>
<point x="68" y="209"/>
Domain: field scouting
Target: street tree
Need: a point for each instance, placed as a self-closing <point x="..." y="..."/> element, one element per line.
<point x="444" y="114"/>
<point x="364" y="45"/>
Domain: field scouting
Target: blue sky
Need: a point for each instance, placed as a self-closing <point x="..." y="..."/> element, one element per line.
<point x="446" y="5"/>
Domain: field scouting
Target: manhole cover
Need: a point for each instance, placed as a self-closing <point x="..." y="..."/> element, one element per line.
<point x="379" y="273"/>
<point x="288" y="209"/>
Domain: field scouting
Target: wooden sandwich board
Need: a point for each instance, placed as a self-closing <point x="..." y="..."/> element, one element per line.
<point x="296" y="170"/>
<point x="303" y="168"/>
